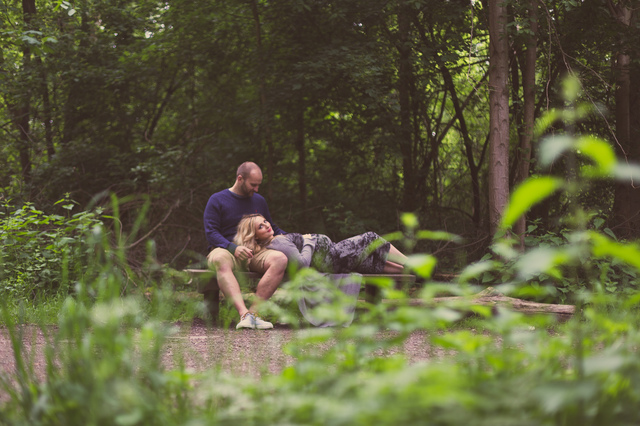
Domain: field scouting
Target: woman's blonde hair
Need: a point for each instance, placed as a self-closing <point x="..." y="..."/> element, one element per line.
<point x="246" y="232"/>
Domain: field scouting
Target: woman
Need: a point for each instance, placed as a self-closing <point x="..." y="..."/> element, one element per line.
<point x="367" y="253"/>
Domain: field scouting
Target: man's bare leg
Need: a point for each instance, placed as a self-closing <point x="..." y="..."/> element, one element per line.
<point x="228" y="282"/>
<point x="273" y="269"/>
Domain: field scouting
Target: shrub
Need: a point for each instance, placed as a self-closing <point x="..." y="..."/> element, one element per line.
<point x="41" y="253"/>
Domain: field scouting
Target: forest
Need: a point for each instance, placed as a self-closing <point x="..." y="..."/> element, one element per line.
<point x="357" y="111"/>
<point x="496" y="142"/>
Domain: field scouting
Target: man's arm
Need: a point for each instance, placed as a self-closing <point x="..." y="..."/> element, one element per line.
<point x="213" y="226"/>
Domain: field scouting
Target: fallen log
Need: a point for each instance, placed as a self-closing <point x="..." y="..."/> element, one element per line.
<point x="491" y="297"/>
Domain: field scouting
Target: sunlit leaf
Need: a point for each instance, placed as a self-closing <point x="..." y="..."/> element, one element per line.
<point x="541" y="260"/>
<point x="529" y="193"/>
<point x="604" y="247"/>
<point x="422" y="264"/>
<point x="553" y="147"/>
<point x="544" y="122"/>
<point x="409" y="220"/>
<point x="624" y="172"/>
<point x="475" y="270"/>
<point x="598" y="151"/>
<point x="571" y="88"/>
<point x="438" y="236"/>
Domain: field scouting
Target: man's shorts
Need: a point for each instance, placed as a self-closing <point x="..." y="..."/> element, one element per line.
<point x="255" y="264"/>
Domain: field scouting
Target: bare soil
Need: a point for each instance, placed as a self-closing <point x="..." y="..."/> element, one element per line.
<point x="238" y="352"/>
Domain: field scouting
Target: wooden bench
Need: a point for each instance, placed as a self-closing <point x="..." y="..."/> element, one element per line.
<point x="207" y="285"/>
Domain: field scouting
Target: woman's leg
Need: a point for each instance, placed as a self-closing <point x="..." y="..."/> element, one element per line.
<point x="396" y="256"/>
<point x="393" y="268"/>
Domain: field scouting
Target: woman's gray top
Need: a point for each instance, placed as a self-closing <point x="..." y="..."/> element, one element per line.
<point x="300" y="256"/>
<point x="365" y="253"/>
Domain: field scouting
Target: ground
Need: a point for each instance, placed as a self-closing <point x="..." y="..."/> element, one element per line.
<point x="238" y="352"/>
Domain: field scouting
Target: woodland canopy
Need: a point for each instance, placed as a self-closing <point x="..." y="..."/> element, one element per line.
<point x="356" y="110"/>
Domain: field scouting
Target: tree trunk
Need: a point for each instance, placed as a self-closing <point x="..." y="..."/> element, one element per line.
<point x="302" y="154"/>
<point x="264" y="113"/>
<point x="22" y="112"/>
<point x="498" y="112"/>
<point x="47" y="114"/>
<point x="74" y="110"/>
<point x="404" y="99"/>
<point x="474" y="169"/>
<point x="528" y="89"/>
<point x="626" y="206"/>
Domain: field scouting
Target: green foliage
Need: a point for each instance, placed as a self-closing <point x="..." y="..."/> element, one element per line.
<point x="41" y="254"/>
<point x="106" y="360"/>
<point x="558" y="266"/>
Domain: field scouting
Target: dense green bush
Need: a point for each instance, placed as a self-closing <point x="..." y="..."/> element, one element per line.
<point x="563" y="282"/>
<point x="39" y="252"/>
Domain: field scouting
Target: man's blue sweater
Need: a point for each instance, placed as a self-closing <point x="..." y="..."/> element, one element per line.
<point x="223" y="213"/>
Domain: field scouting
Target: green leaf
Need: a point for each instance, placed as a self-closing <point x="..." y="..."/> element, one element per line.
<point x="30" y="40"/>
<point x="544" y="122"/>
<point x="624" y="172"/>
<point x="475" y="270"/>
<point x="604" y="247"/>
<point x="540" y="261"/>
<point x="553" y="147"/>
<point x="610" y="233"/>
<point x="422" y="264"/>
<point x="571" y="88"/>
<point x="437" y="236"/>
<point x="529" y="193"/>
<point x="409" y="220"/>
<point x="600" y="152"/>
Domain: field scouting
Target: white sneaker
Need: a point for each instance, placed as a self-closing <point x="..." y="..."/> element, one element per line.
<point x="251" y="320"/>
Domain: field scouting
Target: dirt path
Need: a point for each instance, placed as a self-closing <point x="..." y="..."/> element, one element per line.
<point x="238" y="352"/>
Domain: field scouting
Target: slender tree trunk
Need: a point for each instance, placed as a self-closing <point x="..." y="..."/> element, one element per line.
<point x="173" y="86"/>
<point x="22" y="113"/>
<point x="626" y="207"/>
<point x="302" y="155"/>
<point x="264" y="110"/>
<point x="74" y="112"/>
<point x="404" y="99"/>
<point x="47" y="114"/>
<point x="474" y="169"/>
<point x="528" y="89"/>
<point x="498" y="112"/>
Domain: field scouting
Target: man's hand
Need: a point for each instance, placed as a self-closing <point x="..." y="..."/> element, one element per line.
<point x="243" y="253"/>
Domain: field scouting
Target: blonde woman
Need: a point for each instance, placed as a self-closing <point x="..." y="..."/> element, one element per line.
<point x="367" y="253"/>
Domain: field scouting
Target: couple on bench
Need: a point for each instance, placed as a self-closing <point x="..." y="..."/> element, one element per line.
<point x="242" y="235"/>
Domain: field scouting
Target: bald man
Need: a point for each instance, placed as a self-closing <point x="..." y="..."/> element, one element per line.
<point x="221" y="216"/>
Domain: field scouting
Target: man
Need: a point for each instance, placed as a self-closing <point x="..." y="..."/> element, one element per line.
<point x="221" y="216"/>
